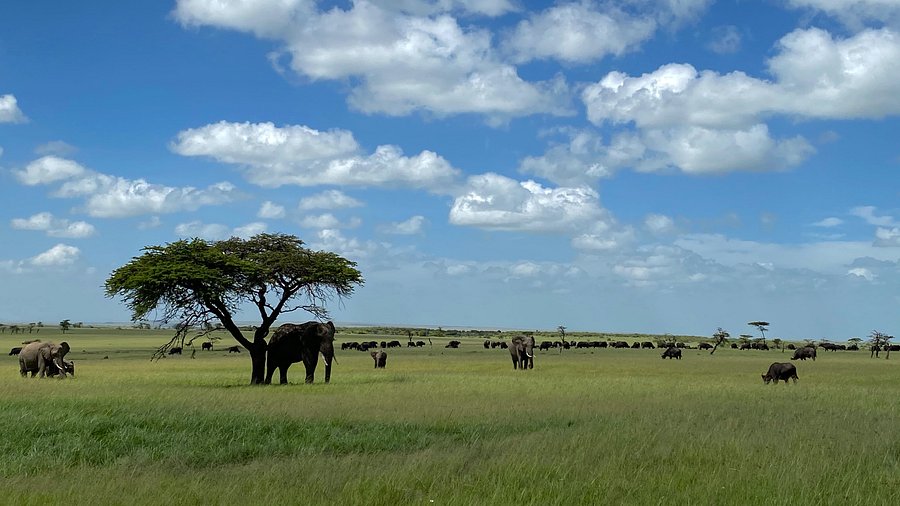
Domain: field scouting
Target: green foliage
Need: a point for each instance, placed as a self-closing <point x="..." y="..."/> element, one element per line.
<point x="65" y="325"/>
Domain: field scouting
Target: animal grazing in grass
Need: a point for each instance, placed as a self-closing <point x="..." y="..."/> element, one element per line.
<point x="780" y="371"/>
<point x="521" y="350"/>
<point x="453" y="344"/>
<point x="15" y="351"/>
<point x="380" y="358"/>
<point x="704" y="346"/>
<point x="175" y="351"/>
<point x="234" y="349"/>
<point x="300" y="343"/>
<point x="805" y="353"/>
<point x="394" y="344"/>
<point x="206" y="346"/>
<point x="419" y="344"/>
<point x="545" y="345"/>
<point x="36" y="357"/>
<point x="672" y="353"/>
<point x="487" y="345"/>
<point x="647" y="344"/>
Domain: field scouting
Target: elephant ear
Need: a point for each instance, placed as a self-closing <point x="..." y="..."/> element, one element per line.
<point x="330" y="326"/>
<point x="63" y="349"/>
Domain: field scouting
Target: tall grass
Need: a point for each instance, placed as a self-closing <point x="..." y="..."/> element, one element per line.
<point x="453" y="427"/>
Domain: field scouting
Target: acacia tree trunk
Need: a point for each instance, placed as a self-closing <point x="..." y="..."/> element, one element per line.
<point x="258" y="359"/>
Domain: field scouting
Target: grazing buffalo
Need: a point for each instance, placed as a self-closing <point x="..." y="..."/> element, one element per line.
<point x="453" y="344"/>
<point x="780" y="371"/>
<point x="487" y="345"/>
<point x="672" y="353"/>
<point x="352" y="345"/>
<point x="206" y="346"/>
<point x="705" y="346"/>
<point x="545" y="345"/>
<point x="234" y="349"/>
<point x="635" y="345"/>
<point x="791" y="347"/>
<point x="15" y="351"/>
<point x="410" y="344"/>
<point x="175" y="351"/>
<point x="805" y="353"/>
<point x="647" y="344"/>
<point x="394" y="344"/>
<point x="734" y="346"/>
<point x="419" y="344"/>
<point x="853" y="347"/>
<point x="619" y="344"/>
<point x="746" y="346"/>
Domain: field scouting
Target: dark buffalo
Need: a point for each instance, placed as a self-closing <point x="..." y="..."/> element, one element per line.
<point x="410" y="344"/>
<point x="672" y="353"/>
<point x="175" y="351"/>
<point x="206" y="346"/>
<point x="419" y="344"/>
<point x="394" y="344"/>
<point x="705" y="346"/>
<point x="234" y="349"/>
<point x="352" y="345"/>
<point x="746" y="346"/>
<point x="679" y="345"/>
<point x="487" y="345"/>
<point x="647" y="344"/>
<point x="734" y="346"/>
<point x="635" y="344"/>
<point x="545" y="345"/>
<point x="791" y="347"/>
<point x="805" y="353"/>
<point x="15" y="351"/>
<point x="853" y="347"/>
<point x="453" y="344"/>
<point x="780" y="371"/>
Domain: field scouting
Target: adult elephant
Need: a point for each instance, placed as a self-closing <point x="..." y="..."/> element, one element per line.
<point x="521" y="349"/>
<point x="36" y="358"/>
<point x="300" y="343"/>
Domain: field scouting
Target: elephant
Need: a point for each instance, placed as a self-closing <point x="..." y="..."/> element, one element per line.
<point x="52" y="370"/>
<point x="380" y="358"/>
<point x="521" y="348"/>
<point x="36" y="357"/>
<point x="300" y="343"/>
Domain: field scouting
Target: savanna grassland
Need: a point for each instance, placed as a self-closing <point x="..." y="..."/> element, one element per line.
<point x="442" y="426"/>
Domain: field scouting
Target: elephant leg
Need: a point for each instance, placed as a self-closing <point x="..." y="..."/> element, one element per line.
<point x="270" y="370"/>
<point x="310" y="361"/>
<point x="42" y="365"/>
<point x="61" y="366"/>
<point x="282" y="373"/>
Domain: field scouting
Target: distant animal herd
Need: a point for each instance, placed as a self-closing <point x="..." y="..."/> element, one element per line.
<point x="302" y="343"/>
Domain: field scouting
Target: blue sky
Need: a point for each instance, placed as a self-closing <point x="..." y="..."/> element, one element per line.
<point x="640" y="166"/>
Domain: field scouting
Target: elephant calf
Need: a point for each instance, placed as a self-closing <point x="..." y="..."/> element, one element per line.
<point x="380" y="358"/>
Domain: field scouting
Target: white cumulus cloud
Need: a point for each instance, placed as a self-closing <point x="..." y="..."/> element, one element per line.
<point x="54" y="227"/>
<point x="329" y="199"/>
<point x="412" y="226"/>
<point x="59" y="255"/>
<point x="217" y="231"/>
<point x="9" y="110"/>
<point x="272" y="156"/>
<point x="270" y="211"/>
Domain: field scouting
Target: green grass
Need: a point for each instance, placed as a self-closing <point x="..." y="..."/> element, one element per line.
<point x="449" y="426"/>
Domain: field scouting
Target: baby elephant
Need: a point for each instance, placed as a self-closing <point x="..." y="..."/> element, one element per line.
<point x="380" y="358"/>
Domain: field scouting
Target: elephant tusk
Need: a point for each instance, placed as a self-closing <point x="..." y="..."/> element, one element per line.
<point x="529" y="356"/>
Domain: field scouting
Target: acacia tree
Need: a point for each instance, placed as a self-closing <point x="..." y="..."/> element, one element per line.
<point x="64" y="326"/>
<point x="196" y="282"/>
<point x="763" y="327"/>
<point x="720" y="336"/>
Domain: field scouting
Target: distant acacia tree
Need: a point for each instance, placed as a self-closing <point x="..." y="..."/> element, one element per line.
<point x="196" y="281"/>
<point x="65" y="325"/>
<point x="778" y="343"/>
<point x="763" y="327"/>
<point x="879" y="341"/>
<point x="721" y="336"/>
<point x="855" y="341"/>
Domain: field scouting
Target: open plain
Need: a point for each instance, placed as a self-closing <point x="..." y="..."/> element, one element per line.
<point x="447" y="426"/>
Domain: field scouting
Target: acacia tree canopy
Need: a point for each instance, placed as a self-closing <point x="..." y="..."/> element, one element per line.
<point x="195" y="281"/>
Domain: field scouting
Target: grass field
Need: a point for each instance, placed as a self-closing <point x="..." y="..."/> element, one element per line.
<point x="442" y="426"/>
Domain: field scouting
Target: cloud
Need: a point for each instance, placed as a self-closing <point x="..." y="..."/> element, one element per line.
<point x="329" y="199"/>
<point x="270" y="211"/>
<point x="867" y="213"/>
<point x="327" y="220"/>
<point x="726" y="39"/>
<point x="887" y="237"/>
<point x="54" y="227"/>
<point x="659" y="224"/>
<point x="862" y="272"/>
<point x="829" y="222"/>
<point x="9" y="110"/>
<point x="854" y="13"/>
<point x="495" y="202"/>
<point x="49" y="169"/>
<point x="59" y="255"/>
<point x="108" y="196"/>
<point x="412" y="226"/>
<point x="577" y="33"/>
<point x="273" y="156"/>
<point x="395" y="63"/>
<point x="59" y="148"/>
<point x="217" y="231"/>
